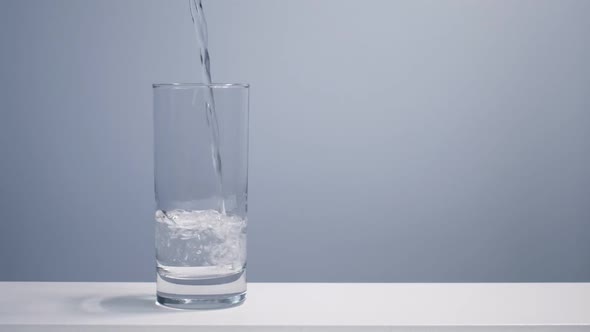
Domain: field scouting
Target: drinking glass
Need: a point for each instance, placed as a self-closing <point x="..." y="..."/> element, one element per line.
<point x="201" y="191"/>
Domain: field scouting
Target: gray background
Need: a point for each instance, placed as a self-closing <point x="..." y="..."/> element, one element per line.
<point x="390" y="140"/>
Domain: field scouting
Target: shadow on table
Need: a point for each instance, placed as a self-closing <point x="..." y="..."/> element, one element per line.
<point x="131" y="303"/>
<point x="128" y="304"/>
<point x="138" y="304"/>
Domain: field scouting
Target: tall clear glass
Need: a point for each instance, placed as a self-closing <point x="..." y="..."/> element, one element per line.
<point x="201" y="188"/>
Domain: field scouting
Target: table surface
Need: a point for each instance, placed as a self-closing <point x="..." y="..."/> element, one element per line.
<point x="304" y="306"/>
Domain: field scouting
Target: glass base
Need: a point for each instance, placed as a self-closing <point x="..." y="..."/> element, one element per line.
<point x="200" y="302"/>
<point x="198" y="288"/>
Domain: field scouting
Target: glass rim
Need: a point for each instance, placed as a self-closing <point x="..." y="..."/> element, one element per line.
<point x="201" y="85"/>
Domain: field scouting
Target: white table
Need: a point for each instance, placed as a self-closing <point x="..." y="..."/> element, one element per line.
<point x="38" y="306"/>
